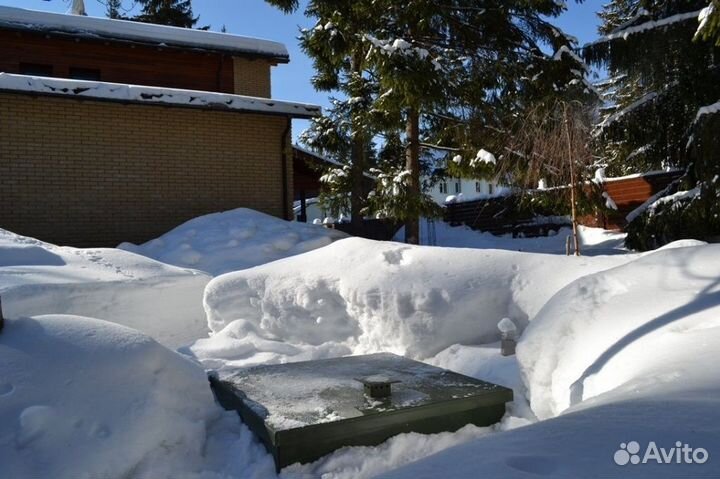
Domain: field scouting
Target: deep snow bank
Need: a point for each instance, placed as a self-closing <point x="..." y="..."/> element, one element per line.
<point x="234" y="240"/>
<point x="583" y="443"/>
<point x="627" y="354"/>
<point x="359" y="296"/>
<point x="86" y="398"/>
<point x="160" y="300"/>
<point x="655" y="320"/>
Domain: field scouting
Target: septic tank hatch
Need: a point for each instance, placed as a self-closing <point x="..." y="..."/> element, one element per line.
<point x="303" y="411"/>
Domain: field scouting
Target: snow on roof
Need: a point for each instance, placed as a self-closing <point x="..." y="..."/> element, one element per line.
<point x="124" y="30"/>
<point x="153" y="95"/>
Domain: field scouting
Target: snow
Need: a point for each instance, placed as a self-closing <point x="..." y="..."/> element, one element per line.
<point x="358" y="296"/>
<point x="233" y="240"/>
<point x="105" y="28"/>
<point x="594" y="241"/>
<point x="624" y="33"/>
<point x="564" y="50"/>
<point x="301" y="394"/>
<point x="708" y="110"/>
<point x="648" y="97"/>
<point x="651" y="204"/>
<point x="484" y="156"/>
<point x="704" y="17"/>
<point x="87" y="398"/>
<point x="41" y="278"/>
<point x="624" y="313"/>
<point x="506" y="326"/>
<point x="609" y="202"/>
<point x="673" y="198"/>
<point x="153" y="95"/>
<point x="599" y="177"/>
<point x="590" y="362"/>
<point x="613" y="348"/>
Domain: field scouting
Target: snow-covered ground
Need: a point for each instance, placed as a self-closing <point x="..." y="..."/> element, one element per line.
<point x="614" y="348"/>
<point x="593" y="241"/>
<point x="81" y="397"/>
<point x="625" y="355"/>
<point x="161" y="300"/>
<point x="234" y="240"/>
<point x="358" y="296"/>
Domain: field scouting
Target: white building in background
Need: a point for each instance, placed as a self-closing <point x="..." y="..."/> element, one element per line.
<point x="468" y="188"/>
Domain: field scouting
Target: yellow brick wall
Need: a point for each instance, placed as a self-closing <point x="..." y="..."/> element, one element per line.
<point x="252" y="77"/>
<point x="90" y="173"/>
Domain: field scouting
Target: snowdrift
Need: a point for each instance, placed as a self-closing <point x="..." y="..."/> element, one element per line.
<point x="583" y="443"/>
<point x="161" y="300"/>
<point x="88" y="398"/>
<point x="360" y="296"/>
<point x="234" y="240"/>
<point x="655" y="320"/>
<point x="622" y="355"/>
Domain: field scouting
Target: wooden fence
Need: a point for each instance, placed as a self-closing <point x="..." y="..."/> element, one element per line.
<point x="381" y="230"/>
<point x="502" y="216"/>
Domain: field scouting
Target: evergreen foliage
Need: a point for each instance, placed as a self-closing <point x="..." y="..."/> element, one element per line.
<point x="659" y="80"/>
<point x="113" y="9"/>
<point x="662" y="77"/>
<point x="176" y="13"/>
<point x="419" y="76"/>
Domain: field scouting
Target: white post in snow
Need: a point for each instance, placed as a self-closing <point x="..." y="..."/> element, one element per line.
<point x="78" y="7"/>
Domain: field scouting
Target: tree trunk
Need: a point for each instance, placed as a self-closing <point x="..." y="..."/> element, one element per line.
<point x="412" y="164"/>
<point x="573" y="185"/>
<point x="357" y="158"/>
<point x="357" y="190"/>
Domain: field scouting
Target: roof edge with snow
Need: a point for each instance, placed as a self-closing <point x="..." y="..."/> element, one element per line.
<point x="117" y="92"/>
<point x="77" y="26"/>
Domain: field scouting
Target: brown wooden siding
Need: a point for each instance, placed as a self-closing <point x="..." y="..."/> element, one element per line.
<point x="120" y="63"/>
<point x="628" y="194"/>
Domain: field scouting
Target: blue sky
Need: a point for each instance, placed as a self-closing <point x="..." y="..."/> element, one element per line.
<point x="256" y="19"/>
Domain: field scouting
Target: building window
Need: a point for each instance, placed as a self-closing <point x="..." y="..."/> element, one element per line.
<point x="443" y="187"/>
<point x="90" y="74"/>
<point x="490" y="188"/>
<point x="478" y="187"/>
<point x="458" y="187"/>
<point x="36" y="69"/>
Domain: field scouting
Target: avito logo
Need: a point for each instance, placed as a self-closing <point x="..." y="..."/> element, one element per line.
<point x="629" y="453"/>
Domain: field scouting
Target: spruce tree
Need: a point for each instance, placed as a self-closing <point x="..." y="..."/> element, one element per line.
<point x="337" y="50"/>
<point x="426" y="73"/>
<point x="112" y="9"/>
<point x="662" y="77"/>
<point x="176" y="13"/>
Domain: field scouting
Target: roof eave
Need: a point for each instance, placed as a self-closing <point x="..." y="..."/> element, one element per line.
<point x="278" y="59"/>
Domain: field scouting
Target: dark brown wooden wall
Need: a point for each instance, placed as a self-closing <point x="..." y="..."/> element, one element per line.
<point x="119" y="63"/>
<point x="628" y="194"/>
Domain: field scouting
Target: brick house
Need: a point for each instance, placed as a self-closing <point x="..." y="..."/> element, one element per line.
<point x="117" y="131"/>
